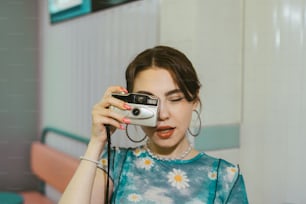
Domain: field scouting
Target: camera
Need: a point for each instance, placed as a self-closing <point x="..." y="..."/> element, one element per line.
<point x="144" y="108"/>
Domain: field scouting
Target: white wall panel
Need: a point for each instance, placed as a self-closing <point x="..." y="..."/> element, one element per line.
<point x="80" y="58"/>
<point x="83" y="56"/>
<point x="210" y="33"/>
<point x="274" y="115"/>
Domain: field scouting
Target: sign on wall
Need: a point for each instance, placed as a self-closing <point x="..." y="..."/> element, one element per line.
<point x="61" y="10"/>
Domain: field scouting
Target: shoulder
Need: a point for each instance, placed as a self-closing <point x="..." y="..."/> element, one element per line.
<point x="224" y="166"/>
<point x="121" y="152"/>
<point x="230" y="183"/>
<point x="229" y="169"/>
<point x="116" y="157"/>
<point x="227" y="172"/>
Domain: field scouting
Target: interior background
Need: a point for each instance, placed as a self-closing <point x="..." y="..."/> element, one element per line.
<point x="250" y="55"/>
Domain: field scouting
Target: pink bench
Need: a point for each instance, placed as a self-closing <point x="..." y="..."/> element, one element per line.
<point x="52" y="167"/>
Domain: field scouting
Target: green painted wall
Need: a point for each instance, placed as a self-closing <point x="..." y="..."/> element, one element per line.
<point x="218" y="137"/>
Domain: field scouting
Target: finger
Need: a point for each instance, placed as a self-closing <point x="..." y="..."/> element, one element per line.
<point x="113" y="89"/>
<point x="106" y="102"/>
<point x="99" y="121"/>
<point x="102" y="114"/>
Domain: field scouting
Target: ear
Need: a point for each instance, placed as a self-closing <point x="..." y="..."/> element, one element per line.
<point x="196" y="103"/>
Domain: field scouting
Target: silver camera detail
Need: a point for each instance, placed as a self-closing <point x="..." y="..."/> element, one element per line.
<point x="144" y="110"/>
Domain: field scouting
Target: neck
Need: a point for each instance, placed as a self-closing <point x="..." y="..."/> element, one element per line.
<point x="178" y="152"/>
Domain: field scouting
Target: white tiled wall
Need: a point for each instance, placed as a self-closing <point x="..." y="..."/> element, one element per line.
<point x="82" y="57"/>
<point x="274" y="115"/>
<point x="210" y="33"/>
<point x="256" y="77"/>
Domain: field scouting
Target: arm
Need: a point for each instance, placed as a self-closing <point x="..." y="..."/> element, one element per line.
<point x="88" y="183"/>
<point x="98" y="192"/>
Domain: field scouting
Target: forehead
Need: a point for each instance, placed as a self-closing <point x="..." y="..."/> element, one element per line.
<point x="154" y="80"/>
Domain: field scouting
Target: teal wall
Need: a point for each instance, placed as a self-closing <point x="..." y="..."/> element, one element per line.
<point x="18" y="92"/>
<point x="217" y="137"/>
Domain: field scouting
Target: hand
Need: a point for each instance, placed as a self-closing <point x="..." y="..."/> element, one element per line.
<point x="102" y="115"/>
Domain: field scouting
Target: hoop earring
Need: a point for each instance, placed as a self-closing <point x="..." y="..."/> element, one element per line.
<point x="200" y="125"/>
<point x="133" y="140"/>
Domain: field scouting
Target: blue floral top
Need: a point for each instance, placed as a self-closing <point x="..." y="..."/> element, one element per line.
<point x="140" y="178"/>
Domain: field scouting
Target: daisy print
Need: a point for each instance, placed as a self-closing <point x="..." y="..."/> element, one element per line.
<point x="231" y="172"/>
<point x="178" y="178"/>
<point x="212" y="175"/>
<point x="133" y="197"/>
<point x="103" y="162"/>
<point x="145" y="163"/>
<point x="137" y="152"/>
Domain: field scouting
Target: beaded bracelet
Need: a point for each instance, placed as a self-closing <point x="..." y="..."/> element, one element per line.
<point x="98" y="164"/>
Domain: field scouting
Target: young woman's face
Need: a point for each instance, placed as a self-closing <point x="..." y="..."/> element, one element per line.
<point x="175" y="111"/>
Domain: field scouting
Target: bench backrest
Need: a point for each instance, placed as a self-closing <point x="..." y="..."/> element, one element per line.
<point x="52" y="166"/>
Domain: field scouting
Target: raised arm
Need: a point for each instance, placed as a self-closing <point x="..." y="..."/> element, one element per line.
<point x="88" y="182"/>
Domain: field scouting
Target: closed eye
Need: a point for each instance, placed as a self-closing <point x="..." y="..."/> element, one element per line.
<point x="176" y="99"/>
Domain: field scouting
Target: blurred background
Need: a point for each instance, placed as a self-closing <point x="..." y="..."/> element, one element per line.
<point x="250" y="56"/>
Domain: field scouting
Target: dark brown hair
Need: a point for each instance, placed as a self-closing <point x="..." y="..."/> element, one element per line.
<point x="172" y="60"/>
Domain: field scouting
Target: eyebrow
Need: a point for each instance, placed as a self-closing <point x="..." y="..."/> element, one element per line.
<point x="174" y="91"/>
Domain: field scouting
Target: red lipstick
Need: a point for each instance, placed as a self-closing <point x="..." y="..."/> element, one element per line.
<point x="165" y="132"/>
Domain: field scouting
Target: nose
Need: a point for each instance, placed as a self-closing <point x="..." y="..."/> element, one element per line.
<point x="163" y="111"/>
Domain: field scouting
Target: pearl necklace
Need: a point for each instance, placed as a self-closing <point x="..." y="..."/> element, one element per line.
<point x="155" y="156"/>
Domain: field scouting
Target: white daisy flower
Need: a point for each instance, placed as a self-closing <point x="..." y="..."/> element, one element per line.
<point x="137" y="152"/>
<point x="104" y="162"/>
<point x="144" y="163"/>
<point x="231" y="172"/>
<point x="178" y="178"/>
<point x="212" y="175"/>
<point x="133" y="197"/>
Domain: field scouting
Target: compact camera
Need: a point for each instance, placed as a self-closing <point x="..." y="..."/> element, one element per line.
<point x="144" y="108"/>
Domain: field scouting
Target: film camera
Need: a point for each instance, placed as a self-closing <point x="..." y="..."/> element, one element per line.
<point x="144" y="108"/>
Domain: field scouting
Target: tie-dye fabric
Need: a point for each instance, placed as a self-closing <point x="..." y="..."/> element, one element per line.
<point x="139" y="178"/>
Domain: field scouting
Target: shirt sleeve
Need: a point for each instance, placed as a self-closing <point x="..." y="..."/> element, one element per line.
<point x="114" y="163"/>
<point x="230" y="187"/>
<point x="238" y="192"/>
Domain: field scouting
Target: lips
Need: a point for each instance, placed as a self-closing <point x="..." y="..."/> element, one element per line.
<point x="165" y="132"/>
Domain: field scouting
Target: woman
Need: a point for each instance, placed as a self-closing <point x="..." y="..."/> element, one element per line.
<point x="167" y="169"/>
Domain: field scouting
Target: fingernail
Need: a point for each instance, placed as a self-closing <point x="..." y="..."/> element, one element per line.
<point x="126" y="120"/>
<point x="127" y="107"/>
<point x="122" y="127"/>
<point x="124" y="90"/>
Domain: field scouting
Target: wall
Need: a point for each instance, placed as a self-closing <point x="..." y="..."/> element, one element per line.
<point x="83" y="56"/>
<point x="274" y="101"/>
<point x="265" y="78"/>
<point x="18" y="91"/>
<point x="251" y="61"/>
<point x="210" y="33"/>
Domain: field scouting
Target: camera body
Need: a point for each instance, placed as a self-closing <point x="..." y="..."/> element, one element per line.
<point x="144" y="110"/>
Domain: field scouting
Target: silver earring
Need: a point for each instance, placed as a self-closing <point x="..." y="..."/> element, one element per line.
<point x="200" y="125"/>
<point x="133" y="140"/>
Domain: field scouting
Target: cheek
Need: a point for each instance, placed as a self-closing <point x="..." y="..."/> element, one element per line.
<point x="147" y="130"/>
<point x="182" y="117"/>
<point x="184" y="113"/>
<point x="186" y="118"/>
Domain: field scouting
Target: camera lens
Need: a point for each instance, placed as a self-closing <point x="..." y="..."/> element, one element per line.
<point x="136" y="111"/>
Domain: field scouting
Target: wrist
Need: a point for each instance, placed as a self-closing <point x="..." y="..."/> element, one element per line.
<point x="95" y="162"/>
<point x="94" y="150"/>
